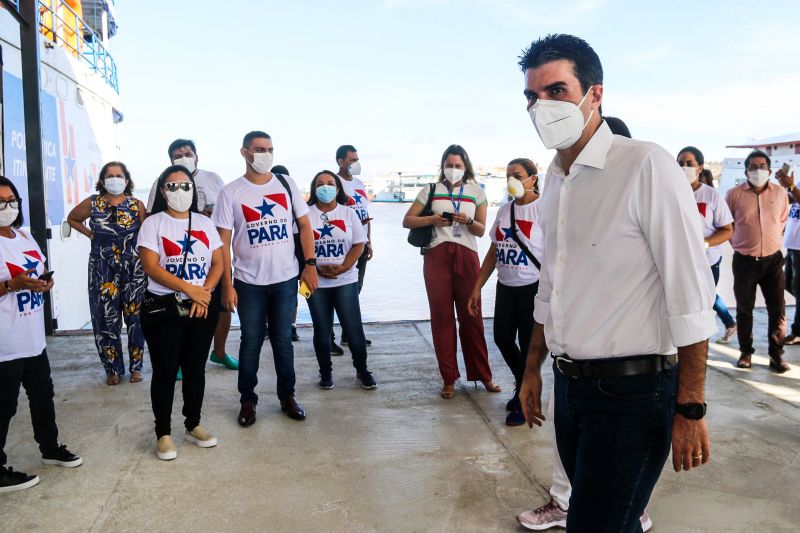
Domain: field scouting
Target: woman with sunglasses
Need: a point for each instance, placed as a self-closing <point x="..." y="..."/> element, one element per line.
<point x="23" y="353"/>
<point x="181" y="254"/>
<point x="339" y="239"/>
<point x="116" y="279"/>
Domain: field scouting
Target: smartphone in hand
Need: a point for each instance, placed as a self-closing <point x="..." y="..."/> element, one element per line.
<point x="47" y="276"/>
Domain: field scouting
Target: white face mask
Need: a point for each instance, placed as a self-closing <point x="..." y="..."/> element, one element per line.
<point x="691" y="173"/>
<point x="355" y="168"/>
<point x="559" y="124"/>
<point x="114" y="185"/>
<point x="262" y="162"/>
<point x="179" y="200"/>
<point x="8" y="216"/>
<point x="758" y="178"/>
<point x="453" y="175"/>
<point x="189" y="162"/>
<point x="515" y="187"/>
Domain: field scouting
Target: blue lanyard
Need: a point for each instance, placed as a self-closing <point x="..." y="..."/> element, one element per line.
<point x="456" y="207"/>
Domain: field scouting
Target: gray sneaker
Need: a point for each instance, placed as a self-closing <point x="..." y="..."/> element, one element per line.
<point x="544" y="517"/>
<point x="728" y="335"/>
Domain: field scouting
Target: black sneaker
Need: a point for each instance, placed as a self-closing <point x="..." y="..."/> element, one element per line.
<point x="367" y="342"/>
<point x="11" y="481"/>
<point x="326" y="381"/>
<point x="336" y="349"/>
<point x="61" y="456"/>
<point x="367" y="380"/>
<point x="295" y="336"/>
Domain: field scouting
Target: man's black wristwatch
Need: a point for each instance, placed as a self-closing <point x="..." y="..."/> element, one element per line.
<point x="311" y="262"/>
<point x="691" y="411"/>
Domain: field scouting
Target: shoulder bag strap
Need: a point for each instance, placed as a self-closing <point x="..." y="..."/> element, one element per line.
<point x="519" y="241"/>
<point x="185" y="254"/>
<point x="288" y="190"/>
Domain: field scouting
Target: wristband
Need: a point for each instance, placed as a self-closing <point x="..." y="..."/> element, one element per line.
<point x="791" y="187"/>
<point x="7" y="286"/>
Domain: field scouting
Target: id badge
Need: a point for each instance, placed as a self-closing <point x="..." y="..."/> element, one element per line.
<point x="456" y="229"/>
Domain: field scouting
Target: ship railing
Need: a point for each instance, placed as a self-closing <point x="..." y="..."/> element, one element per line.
<point x="62" y="25"/>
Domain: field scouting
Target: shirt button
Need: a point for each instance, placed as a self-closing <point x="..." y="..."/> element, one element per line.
<point x="558" y="293"/>
<point x="562" y="222"/>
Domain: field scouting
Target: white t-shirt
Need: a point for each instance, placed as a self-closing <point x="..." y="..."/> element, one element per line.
<point x="357" y="192"/>
<point x="514" y="269"/>
<point x="261" y="219"/>
<point x="169" y="237"/>
<point x="21" y="312"/>
<point x="714" y="213"/>
<point x="208" y="184"/>
<point x="334" y="239"/>
<point x="472" y="198"/>
<point x="791" y="238"/>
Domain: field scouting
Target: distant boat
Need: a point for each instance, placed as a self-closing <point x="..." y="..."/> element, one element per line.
<point x="405" y="186"/>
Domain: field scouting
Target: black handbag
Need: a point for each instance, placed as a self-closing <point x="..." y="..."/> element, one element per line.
<point x="298" y="245"/>
<point x="168" y="305"/>
<point x="422" y="237"/>
<point x="519" y="242"/>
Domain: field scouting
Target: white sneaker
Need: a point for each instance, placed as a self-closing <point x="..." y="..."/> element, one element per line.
<point x="544" y="517"/>
<point x="646" y="521"/>
<point x="728" y="335"/>
<point x="165" y="448"/>
<point x="201" y="437"/>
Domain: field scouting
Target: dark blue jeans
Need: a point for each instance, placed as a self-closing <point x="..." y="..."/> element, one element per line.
<point x="719" y="304"/>
<point x="259" y="306"/>
<point x="613" y="437"/>
<point x="344" y="299"/>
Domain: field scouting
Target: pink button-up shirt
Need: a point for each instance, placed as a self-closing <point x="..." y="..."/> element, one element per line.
<point x="758" y="219"/>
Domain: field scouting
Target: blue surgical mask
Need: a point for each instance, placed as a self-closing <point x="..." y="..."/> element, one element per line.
<point x="326" y="193"/>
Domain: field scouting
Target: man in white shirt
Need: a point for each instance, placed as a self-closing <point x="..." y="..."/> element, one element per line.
<point x="209" y="185"/>
<point x="624" y="282"/>
<point x="791" y="241"/>
<point x="254" y="214"/>
<point x="349" y="170"/>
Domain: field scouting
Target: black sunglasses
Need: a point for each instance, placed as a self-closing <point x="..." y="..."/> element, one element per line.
<point x="183" y="185"/>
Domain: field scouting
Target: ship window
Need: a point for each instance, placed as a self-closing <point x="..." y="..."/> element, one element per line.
<point x="79" y="97"/>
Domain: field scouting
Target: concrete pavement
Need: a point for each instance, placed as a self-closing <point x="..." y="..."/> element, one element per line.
<point x="396" y="459"/>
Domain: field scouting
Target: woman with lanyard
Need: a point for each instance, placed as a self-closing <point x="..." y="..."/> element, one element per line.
<point x="339" y="239"/>
<point x="116" y="278"/>
<point x="451" y="267"/>
<point x="181" y="253"/>
<point x="23" y="354"/>
<point x="517" y="246"/>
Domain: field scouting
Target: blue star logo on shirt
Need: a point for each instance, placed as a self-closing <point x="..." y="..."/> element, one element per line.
<point x="186" y="244"/>
<point x="509" y="233"/>
<point x="325" y="231"/>
<point x="357" y="197"/>
<point x="265" y="208"/>
<point x="31" y="264"/>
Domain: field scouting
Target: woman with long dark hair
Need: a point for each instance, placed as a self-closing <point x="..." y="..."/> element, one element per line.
<point x="451" y="267"/>
<point x="516" y="226"/>
<point x="339" y="240"/>
<point x="116" y="278"/>
<point x="23" y="353"/>
<point x="181" y="253"/>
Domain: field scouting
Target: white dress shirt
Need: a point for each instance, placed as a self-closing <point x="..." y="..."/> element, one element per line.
<point x="625" y="270"/>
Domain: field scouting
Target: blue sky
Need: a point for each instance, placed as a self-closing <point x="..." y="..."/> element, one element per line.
<point x="402" y="79"/>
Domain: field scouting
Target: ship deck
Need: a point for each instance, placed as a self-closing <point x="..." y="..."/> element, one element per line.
<point x="396" y="459"/>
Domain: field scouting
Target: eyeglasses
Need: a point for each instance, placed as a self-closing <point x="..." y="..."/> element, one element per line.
<point x="13" y="203"/>
<point x="183" y="185"/>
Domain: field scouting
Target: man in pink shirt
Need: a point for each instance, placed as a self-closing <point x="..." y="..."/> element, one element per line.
<point x="760" y="209"/>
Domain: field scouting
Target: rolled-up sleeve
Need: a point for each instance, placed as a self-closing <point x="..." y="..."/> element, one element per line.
<point x="669" y="221"/>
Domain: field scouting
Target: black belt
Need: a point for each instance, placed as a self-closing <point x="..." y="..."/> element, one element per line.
<point x="758" y="258"/>
<point x="614" y="368"/>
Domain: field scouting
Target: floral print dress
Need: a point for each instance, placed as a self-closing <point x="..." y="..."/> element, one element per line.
<point x="116" y="282"/>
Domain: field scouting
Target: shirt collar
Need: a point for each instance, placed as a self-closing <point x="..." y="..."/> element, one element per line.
<point x="594" y="153"/>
